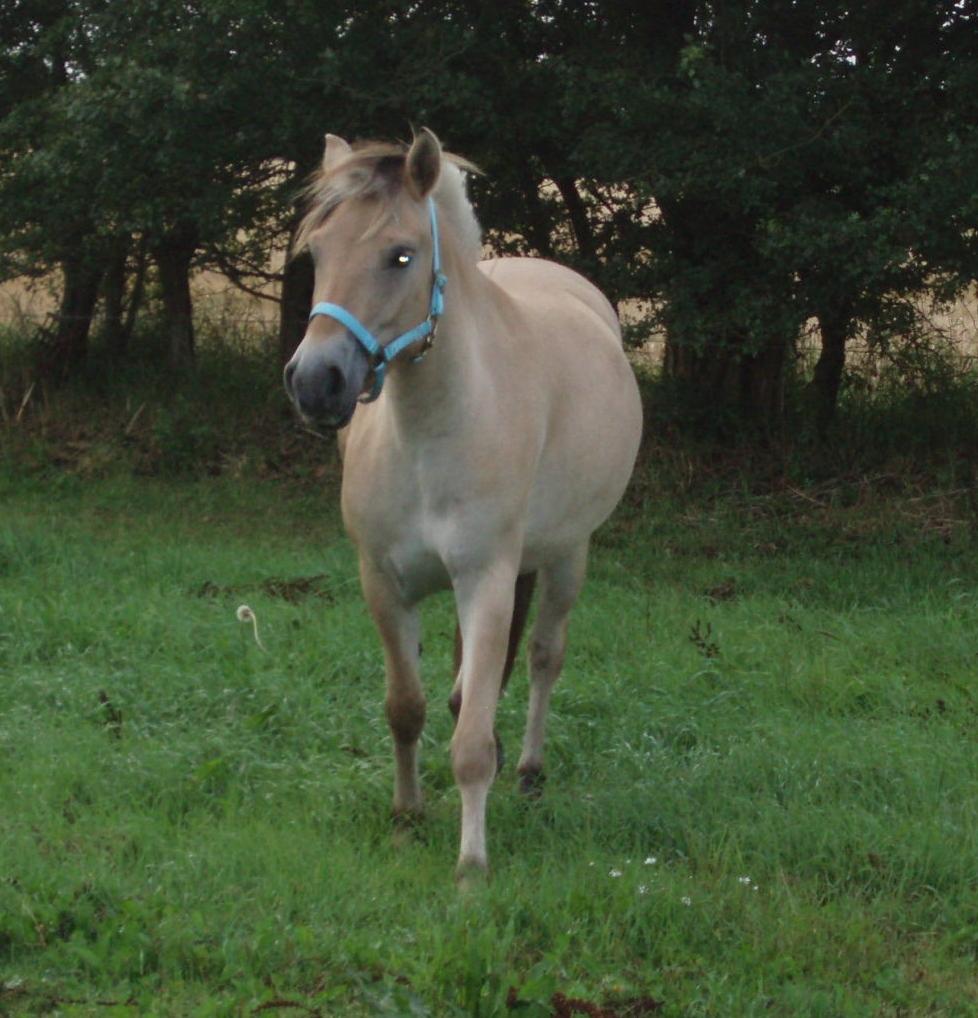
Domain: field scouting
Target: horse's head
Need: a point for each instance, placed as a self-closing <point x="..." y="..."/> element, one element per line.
<point x="373" y="236"/>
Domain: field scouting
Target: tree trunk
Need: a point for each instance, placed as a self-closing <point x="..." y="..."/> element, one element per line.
<point x="173" y="255"/>
<point x="834" y="327"/>
<point x="720" y="341"/>
<point x="136" y="295"/>
<point x="113" y="296"/>
<point x="63" y="352"/>
<point x="298" y="277"/>
<point x="762" y="386"/>
<point x="724" y="377"/>
<point x="296" y="302"/>
<point x="580" y="224"/>
<point x="536" y="226"/>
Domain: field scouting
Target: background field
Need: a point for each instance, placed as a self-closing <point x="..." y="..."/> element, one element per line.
<point x="763" y="770"/>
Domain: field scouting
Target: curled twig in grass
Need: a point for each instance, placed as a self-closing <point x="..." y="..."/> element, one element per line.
<point x="245" y="614"/>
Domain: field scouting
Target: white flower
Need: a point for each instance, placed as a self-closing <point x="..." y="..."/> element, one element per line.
<point x="650" y="860"/>
<point x="746" y="881"/>
<point x="614" y="873"/>
<point x="687" y="901"/>
<point x="643" y="888"/>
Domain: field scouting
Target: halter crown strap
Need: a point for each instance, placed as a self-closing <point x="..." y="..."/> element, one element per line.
<point x="382" y="354"/>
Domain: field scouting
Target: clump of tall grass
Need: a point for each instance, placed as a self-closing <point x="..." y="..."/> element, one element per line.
<point x="912" y="415"/>
<point x="134" y="414"/>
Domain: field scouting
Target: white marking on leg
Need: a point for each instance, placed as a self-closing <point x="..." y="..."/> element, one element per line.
<point x="472" y="848"/>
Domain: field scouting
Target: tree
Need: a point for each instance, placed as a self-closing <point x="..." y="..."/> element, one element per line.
<point x="747" y="166"/>
<point x="793" y="153"/>
<point x="46" y="219"/>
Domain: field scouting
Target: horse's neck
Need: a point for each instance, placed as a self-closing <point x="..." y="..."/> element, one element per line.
<point x="439" y="390"/>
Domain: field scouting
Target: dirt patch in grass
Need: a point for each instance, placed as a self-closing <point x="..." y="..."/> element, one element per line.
<point x="293" y="591"/>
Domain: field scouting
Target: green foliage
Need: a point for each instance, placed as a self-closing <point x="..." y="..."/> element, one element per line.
<point x="745" y="167"/>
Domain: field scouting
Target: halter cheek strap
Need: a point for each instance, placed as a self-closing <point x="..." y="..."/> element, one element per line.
<point x="382" y="354"/>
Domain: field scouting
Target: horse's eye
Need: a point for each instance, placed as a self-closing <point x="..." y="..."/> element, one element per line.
<point x="401" y="259"/>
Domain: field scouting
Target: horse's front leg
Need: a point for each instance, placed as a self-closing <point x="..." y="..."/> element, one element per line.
<point x="399" y="629"/>
<point x="485" y="608"/>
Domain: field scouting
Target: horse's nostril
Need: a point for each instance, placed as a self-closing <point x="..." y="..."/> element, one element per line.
<point x="319" y="389"/>
<point x="335" y="382"/>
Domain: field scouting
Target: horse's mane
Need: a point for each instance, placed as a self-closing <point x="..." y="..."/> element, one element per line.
<point x="375" y="170"/>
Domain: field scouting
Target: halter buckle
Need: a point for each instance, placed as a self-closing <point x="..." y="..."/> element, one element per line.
<point x="427" y="343"/>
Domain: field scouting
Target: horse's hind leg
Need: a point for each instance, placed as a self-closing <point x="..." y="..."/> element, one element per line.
<point x="399" y="628"/>
<point x="560" y="584"/>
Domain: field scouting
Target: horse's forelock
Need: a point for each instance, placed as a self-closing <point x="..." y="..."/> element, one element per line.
<point x="375" y="170"/>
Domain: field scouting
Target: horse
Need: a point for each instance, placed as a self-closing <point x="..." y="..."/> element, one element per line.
<point x="489" y="422"/>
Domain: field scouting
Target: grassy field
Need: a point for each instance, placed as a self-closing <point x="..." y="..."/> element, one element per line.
<point x="763" y="793"/>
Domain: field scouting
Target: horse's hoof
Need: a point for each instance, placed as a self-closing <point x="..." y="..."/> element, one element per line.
<point x="406" y="824"/>
<point x="471" y="876"/>
<point x="532" y="780"/>
<point x="500" y="753"/>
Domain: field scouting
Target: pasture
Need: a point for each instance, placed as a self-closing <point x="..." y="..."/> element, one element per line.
<point x="762" y="765"/>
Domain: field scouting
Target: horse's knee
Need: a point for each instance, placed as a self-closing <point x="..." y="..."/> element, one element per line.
<point x="474" y="759"/>
<point x="455" y="706"/>
<point x="406" y="716"/>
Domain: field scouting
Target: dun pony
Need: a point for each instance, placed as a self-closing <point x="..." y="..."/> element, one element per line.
<point x="490" y="423"/>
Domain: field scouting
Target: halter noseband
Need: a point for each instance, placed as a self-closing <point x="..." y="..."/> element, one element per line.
<point x="381" y="355"/>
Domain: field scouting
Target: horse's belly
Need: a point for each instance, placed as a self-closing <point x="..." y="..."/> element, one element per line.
<point x="558" y="521"/>
<point x="582" y="475"/>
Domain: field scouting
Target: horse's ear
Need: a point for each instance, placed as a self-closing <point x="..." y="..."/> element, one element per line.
<point x="336" y="149"/>
<point x="423" y="163"/>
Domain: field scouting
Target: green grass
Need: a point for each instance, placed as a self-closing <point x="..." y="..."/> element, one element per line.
<point x="774" y="697"/>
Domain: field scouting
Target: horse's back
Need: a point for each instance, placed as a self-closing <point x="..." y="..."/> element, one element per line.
<point x="535" y="282"/>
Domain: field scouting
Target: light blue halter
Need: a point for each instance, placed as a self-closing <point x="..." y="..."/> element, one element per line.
<point x="381" y="355"/>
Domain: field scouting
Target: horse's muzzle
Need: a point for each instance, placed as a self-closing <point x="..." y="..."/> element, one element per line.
<point x="325" y="380"/>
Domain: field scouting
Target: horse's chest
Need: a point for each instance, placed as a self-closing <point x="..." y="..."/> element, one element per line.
<point x="416" y="567"/>
<point x="400" y="535"/>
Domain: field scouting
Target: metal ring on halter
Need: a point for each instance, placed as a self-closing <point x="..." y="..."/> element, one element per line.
<point x="426" y="345"/>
